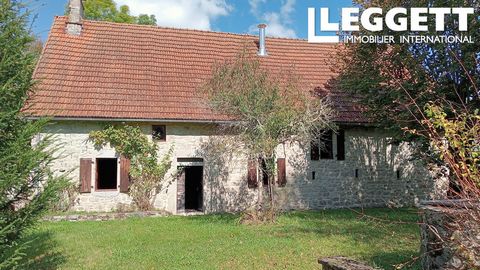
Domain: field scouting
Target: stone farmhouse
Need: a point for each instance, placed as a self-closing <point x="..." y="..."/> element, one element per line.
<point x="94" y="73"/>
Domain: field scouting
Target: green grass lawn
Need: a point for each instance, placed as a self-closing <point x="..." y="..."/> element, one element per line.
<point x="296" y="241"/>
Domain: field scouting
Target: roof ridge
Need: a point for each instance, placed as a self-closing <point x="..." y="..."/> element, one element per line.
<point x="132" y="25"/>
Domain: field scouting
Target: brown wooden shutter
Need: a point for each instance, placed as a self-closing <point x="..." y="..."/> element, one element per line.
<point x="124" y="174"/>
<point x="252" y="174"/>
<point x="85" y="175"/>
<point x="281" y="172"/>
<point x="314" y="150"/>
<point x="341" y="145"/>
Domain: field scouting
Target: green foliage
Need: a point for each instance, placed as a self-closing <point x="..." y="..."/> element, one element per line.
<point x="27" y="186"/>
<point x="106" y="10"/>
<point x="268" y="109"/>
<point x="386" y="76"/>
<point x="146" y="19"/>
<point x="397" y="82"/>
<point x="428" y="93"/>
<point x="455" y="137"/>
<point x="146" y="172"/>
<point x="127" y="140"/>
<point x="457" y="140"/>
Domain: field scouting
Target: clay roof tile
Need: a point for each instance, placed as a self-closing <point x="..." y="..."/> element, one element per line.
<point x="131" y="71"/>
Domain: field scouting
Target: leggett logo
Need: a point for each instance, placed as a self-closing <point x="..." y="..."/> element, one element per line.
<point x="396" y="19"/>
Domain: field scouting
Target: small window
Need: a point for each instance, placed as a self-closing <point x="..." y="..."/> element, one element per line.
<point x="159" y="133"/>
<point x="341" y="145"/>
<point x="326" y="151"/>
<point x="314" y="150"/>
<point x="106" y="173"/>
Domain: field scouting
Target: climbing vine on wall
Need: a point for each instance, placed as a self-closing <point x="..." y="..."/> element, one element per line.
<point x="147" y="170"/>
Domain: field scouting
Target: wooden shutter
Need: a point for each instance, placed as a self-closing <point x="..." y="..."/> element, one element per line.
<point x="124" y="174"/>
<point x="252" y="174"/>
<point x="85" y="175"/>
<point x="281" y="172"/>
<point x="314" y="150"/>
<point x="341" y="145"/>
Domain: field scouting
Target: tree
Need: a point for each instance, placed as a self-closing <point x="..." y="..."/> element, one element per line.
<point x="383" y="76"/>
<point x="106" y="10"/>
<point x="429" y="93"/>
<point x="269" y="110"/>
<point x="455" y="139"/>
<point x="146" y="172"/>
<point x="27" y="186"/>
<point x="397" y="82"/>
<point x="146" y="20"/>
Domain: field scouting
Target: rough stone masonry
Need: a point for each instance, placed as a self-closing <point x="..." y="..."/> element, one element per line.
<point x="374" y="172"/>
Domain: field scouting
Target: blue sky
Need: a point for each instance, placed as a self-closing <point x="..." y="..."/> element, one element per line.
<point x="285" y="18"/>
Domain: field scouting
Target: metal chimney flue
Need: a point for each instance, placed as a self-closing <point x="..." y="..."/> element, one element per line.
<point x="262" y="49"/>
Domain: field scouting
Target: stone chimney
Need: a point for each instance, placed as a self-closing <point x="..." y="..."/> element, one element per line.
<point x="75" y="17"/>
<point x="262" y="48"/>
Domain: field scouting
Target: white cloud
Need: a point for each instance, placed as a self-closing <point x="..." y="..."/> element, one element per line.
<point x="287" y="9"/>
<point x="279" y="23"/>
<point x="193" y="14"/>
<point x="277" y="27"/>
<point x="255" y="6"/>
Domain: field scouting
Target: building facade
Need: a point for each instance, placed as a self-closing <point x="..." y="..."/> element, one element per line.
<point x="373" y="173"/>
<point x="95" y="73"/>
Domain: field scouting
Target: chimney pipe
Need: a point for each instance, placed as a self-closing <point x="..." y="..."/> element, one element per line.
<point x="75" y="17"/>
<point x="262" y="50"/>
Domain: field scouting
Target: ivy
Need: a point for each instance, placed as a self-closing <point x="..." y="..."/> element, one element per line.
<point x="147" y="173"/>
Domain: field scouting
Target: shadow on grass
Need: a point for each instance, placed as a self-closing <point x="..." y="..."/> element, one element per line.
<point x="389" y="237"/>
<point x="41" y="252"/>
<point x="382" y="237"/>
<point x="394" y="214"/>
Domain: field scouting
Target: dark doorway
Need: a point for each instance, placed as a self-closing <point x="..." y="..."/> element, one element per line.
<point x="106" y="173"/>
<point x="265" y="179"/>
<point x="194" y="188"/>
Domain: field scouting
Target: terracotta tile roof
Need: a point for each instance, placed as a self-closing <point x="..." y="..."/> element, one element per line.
<point x="143" y="72"/>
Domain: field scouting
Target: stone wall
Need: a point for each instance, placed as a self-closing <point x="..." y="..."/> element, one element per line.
<point x="343" y="263"/>
<point x="367" y="177"/>
<point x="450" y="235"/>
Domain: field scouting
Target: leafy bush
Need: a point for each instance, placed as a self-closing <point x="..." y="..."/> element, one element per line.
<point x="455" y="138"/>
